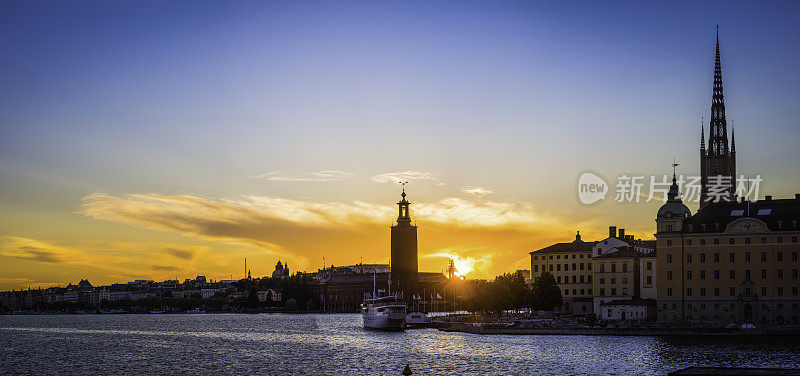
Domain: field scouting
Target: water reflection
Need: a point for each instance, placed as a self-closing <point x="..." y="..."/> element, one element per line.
<point x="336" y="344"/>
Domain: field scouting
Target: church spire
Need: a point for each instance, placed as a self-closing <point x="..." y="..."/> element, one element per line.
<point x="702" y="135"/>
<point x="733" y="138"/>
<point x="718" y="136"/>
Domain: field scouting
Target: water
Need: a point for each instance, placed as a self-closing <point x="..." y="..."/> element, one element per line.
<point x="278" y="344"/>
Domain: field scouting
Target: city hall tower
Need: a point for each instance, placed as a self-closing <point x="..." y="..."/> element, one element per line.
<point x="404" y="265"/>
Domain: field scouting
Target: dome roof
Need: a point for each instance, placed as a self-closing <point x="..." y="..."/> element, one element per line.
<point x="674" y="209"/>
<point x="674" y="206"/>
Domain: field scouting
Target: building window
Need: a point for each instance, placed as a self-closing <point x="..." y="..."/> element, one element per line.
<point x="613" y="292"/>
<point x="558" y="267"/>
<point x="624" y="280"/>
<point x="574" y="266"/>
<point x="590" y="291"/>
<point x="574" y="279"/>
<point x="763" y="273"/>
<point x="602" y="292"/>
<point x="733" y="274"/>
<point x="590" y="279"/>
<point x="602" y="281"/>
<point x="763" y="291"/>
<point x="716" y="241"/>
<point x="669" y="275"/>
<point x="747" y="257"/>
<point x="780" y="238"/>
<point x="566" y="291"/>
<point x="702" y="257"/>
<point x="688" y="241"/>
<point x="732" y="241"/>
<point x="716" y="292"/>
<point x="558" y="279"/>
<point x="602" y="268"/>
<point x="589" y="266"/>
<point x="649" y="265"/>
<point x="746" y="240"/>
<point x="702" y="274"/>
<point x="688" y="258"/>
<point x="669" y="242"/>
<point x="551" y="268"/>
<point x="747" y="274"/>
<point x="649" y="280"/>
<point x="702" y="242"/>
<point x="581" y="265"/>
<point x="558" y="257"/>
<point x="716" y="273"/>
<point x="794" y="273"/>
<point x="669" y="258"/>
<point x="688" y="291"/>
<point x="794" y="291"/>
<point x="669" y="228"/>
<point x="624" y="268"/>
<point x="732" y="257"/>
<point x="763" y="240"/>
<point x="669" y="291"/>
<point x="780" y="273"/>
<point x="574" y="292"/>
<point x="733" y="292"/>
<point x="780" y="256"/>
<point x="688" y="274"/>
<point x="794" y="256"/>
<point x="716" y="257"/>
<point x="613" y="268"/>
<point x="779" y="291"/>
<point x="763" y="256"/>
<point x="702" y="291"/>
<point x="613" y="281"/>
<point x="794" y="238"/>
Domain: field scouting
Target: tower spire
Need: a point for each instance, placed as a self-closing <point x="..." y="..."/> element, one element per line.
<point x="718" y="137"/>
<point x="702" y="134"/>
<point x="733" y="138"/>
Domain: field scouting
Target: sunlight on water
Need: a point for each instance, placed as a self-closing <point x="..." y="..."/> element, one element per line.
<point x="336" y="344"/>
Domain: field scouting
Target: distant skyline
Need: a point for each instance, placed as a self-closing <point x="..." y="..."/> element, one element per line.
<point x="175" y="139"/>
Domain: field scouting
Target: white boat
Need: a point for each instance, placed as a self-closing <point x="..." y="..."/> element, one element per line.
<point x="385" y="313"/>
<point x="417" y="320"/>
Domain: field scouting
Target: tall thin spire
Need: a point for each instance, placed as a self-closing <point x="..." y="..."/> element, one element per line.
<point x="733" y="138"/>
<point x="702" y="135"/>
<point x="718" y="136"/>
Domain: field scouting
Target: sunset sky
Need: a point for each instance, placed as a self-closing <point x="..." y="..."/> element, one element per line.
<point x="162" y="140"/>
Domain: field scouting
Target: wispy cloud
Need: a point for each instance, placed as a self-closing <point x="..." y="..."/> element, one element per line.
<point x="183" y="253"/>
<point x="486" y="235"/>
<point x="394" y="177"/>
<point x="34" y="250"/>
<point x="326" y="175"/>
<point x="476" y="191"/>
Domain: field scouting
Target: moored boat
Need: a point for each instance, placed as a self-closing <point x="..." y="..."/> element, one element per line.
<point x="384" y="313"/>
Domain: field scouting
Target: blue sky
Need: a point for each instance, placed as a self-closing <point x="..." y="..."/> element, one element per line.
<point x="202" y="98"/>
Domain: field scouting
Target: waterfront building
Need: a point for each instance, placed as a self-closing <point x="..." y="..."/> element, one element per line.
<point x="404" y="263"/>
<point x="571" y="266"/>
<point x="624" y="272"/>
<point x="627" y="309"/>
<point x="731" y="262"/>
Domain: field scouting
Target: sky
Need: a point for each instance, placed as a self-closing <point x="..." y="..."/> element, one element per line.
<point x="164" y="140"/>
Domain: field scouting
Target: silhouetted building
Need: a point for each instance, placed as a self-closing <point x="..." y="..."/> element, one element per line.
<point x="281" y="270"/>
<point x="404" y="263"/>
<point x="718" y="163"/>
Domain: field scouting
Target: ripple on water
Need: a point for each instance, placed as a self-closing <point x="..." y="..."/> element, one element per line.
<point x="336" y="344"/>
